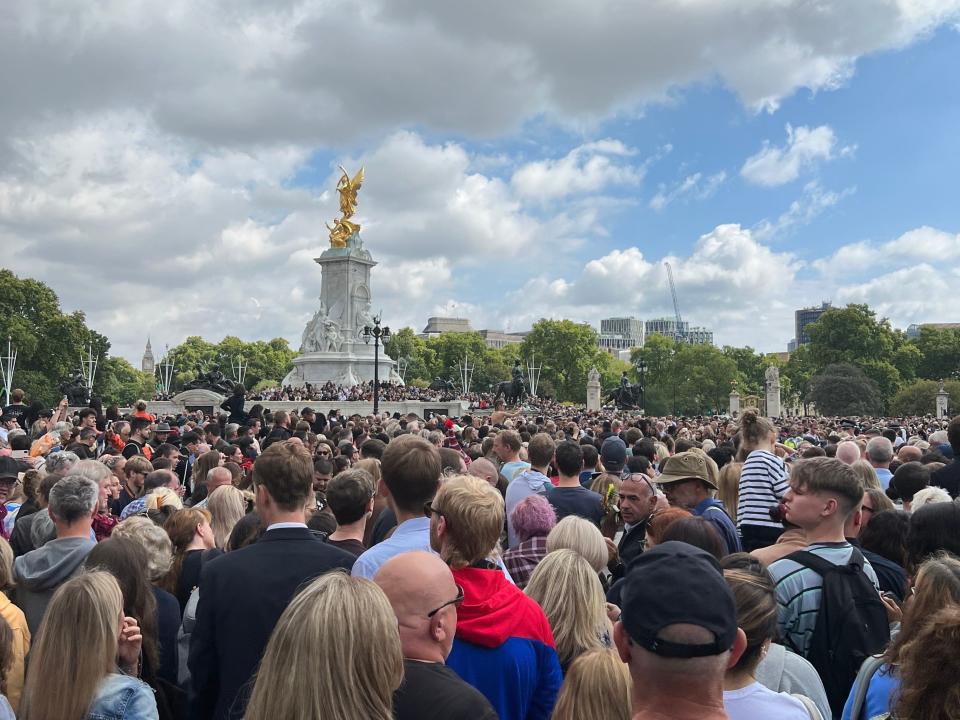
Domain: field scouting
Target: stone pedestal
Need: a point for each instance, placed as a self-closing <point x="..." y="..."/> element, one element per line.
<point x="773" y="392"/>
<point x="943" y="402"/>
<point x="734" y="404"/>
<point x="593" y="390"/>
<point x="205" y="400"/>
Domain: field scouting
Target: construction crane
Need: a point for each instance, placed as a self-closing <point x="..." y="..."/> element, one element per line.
<point x="679" y="335"/>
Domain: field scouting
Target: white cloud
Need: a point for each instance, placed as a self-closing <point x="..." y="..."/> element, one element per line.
<point x="695" y="185"/>
<point x="805" y="148"/>
<point x="812" y="202"/>
<point x="585" y="169"/>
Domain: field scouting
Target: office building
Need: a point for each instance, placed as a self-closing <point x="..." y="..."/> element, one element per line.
<point x="804" y="317"/>
<point x="668" y="326"/>
<point x="620" y="333"/>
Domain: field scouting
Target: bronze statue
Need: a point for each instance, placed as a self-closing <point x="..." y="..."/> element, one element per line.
<point x="342" y="228"/>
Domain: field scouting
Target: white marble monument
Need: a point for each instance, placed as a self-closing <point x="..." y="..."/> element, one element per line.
<point x="734" y="403"/>
<point x="593" y="390"/>
<point x="943" y="402"/>
<point x="772" y="376"/>
<point x="333" y="347"/>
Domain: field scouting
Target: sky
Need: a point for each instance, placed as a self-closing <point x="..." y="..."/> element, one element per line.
<point x="169" y="167"/>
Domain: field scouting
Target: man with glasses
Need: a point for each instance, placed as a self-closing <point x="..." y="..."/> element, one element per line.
<point x="503" y="646"/>
<point x="638" y="500"/>
<point x="425" y="599"/>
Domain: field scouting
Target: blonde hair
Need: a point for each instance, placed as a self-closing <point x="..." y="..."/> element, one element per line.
<point x="583" y="537"/>
<point x="75" y="648"/>
<point x="372" y="466"/>
<point x="597" y="685"/>
<point x="6" y="565"/>
<point x="227" y="506"/>
<point x="152" y="538"/>
<point x="867" y="474"/>
<point x="728" y="491"/>
<point x="570" y="593"/>
<point x="162" y="497"/>
<point x="474" y="513"/>
<point x="342" y="634"/>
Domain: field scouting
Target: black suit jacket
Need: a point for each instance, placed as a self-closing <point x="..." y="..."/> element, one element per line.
<point x="242" y="595"/>
<point x="948" y="477"/>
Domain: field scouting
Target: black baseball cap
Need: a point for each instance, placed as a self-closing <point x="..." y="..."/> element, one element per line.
<point x="677" y="583"/>
<point x="9" y="469"/>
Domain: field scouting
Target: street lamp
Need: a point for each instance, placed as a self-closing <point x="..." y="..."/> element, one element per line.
<point x="379" y="334"/>
<point x="642" y="369"/>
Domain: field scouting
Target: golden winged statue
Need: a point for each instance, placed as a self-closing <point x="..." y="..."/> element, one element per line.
<point x="342" y="227"/>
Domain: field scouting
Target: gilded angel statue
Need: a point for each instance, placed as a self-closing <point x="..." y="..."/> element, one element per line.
<point x="342" y="227"/>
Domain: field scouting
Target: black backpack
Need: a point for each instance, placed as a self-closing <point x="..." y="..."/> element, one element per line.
<point x="851" y="625"/>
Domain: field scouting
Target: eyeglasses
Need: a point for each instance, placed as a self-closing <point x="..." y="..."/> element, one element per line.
<point x="429" y="509"/>
<point x="458" y="600"/>
<point x="627" y="474"/>
<point x="323" y="452"/>
<point x="867" y="508"/>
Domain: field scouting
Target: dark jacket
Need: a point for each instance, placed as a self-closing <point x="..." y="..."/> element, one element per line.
<point x="234" y="405"/>
<point x="242" y="595"/>
<point x="948" y="477"/>
<point x="277" y="434"/>
<point x="630" y="547"/>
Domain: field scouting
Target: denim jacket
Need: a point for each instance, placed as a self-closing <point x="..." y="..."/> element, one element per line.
<point x="122" y="697"/>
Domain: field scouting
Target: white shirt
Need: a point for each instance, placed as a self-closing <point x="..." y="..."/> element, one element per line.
<point x="283" y="525"/>
<point x="756" y="702"/>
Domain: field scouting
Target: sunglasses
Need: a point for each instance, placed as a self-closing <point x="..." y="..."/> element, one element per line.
<point x="627" y="474"/>
<point x="457" y="601"/>
<point x="429" y="509"/>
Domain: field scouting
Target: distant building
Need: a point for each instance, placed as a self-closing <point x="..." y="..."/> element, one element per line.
<point x="621" y="333"/>
<point x="439" y="325"/>
<point x="913" y="331"/>
<point x="804" y="317"/>
<point x="792" y="346"/>
<point x="668" y="327"/>
<point x="496" y="339"/>
<point x="147" y="363"/>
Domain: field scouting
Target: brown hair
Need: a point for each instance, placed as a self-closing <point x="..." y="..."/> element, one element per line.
<point x="411" y="471"/>
<point x="510" y="438"/>
<point x="728" y="484"/>
<point x="928" y="670"/>
<point x="6" y="565"/>
<point x="474" y="512"/>
<point x="182" y="528"/>
<point x="597" y="685"/>
<point x="879" y="500"/>
<point x="541" y="449"/>
<point x="755" y="597"/>
<point x="6" y="652"/>
<point x="138" y="463"/>
<point x="286" y="471"/>
<point x="754" y="431"/>
<point x="828" y="476"/>
<point x="660" y="521"/>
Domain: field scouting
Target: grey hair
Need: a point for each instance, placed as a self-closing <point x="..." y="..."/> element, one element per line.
<point x="880" y="450"/>
<point x="62" y="427"/>
<point x="152" y="538"/>
<point x="73" y="498"/>
<point x="110" y="461"/>
<point x="42" y="529"/>
<point x="231" y="428"/>
<point x="212" y="471"/>
<point x="92" y="470"/>
<point x="61" y="462"/>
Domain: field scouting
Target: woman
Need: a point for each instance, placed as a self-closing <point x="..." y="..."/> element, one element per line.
<point x="659" y="523"/>
<point x="582" y="536"/>
<point x="875" y="501"/>
<point x="17" y="622"/>
<point x="342" y="634"/>
<point x="74" y="663"/>
<point x="744" y="698"/>
<point x="699" y="532"/>
<point x="932" y="528"/>
<point x="928" y="670"/>
<point x="763" y="482"/>
<point x="572" y="598"/>
<point x="729" y="484"/>
<point x="597" y="685"/>
<point x="204" y="464"/>
<point x="909" y="479"/>
<point x="193" y="541"/>
<point x="937" y="586"/>
<point x="234" y="405"/>
<point x="6" y="660"/>
<point x="867" y="475"/>
<point x="226" y="505"/>
<point x="533" y="518"/>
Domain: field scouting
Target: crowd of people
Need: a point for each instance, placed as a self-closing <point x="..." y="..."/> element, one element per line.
<point x="504" y="564"/>
<point x="389" y="392"/>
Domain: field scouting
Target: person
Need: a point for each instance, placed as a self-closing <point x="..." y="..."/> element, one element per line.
<point x="568" y="496"/>
<point x="192" y="539"/>
<point x="597" y="685"/>
<point x="909" y="479"/>
<point x="227" y="505"/>
<point x="880" y="454"/>
<point x="936" y="586"/>
<point x="533" y="481"/>
<point x="17" y="409"/>
<point x="506" y="446"/>
<point x="19" y="641"/>
<point x="84" y="661"/>
<point x="234" y="405"/>
<point x="153" y="484"/>
<point x="503" y="645"/>
<point x="763" y="482"/>
<point x="139" y="435"/>
<point x="823" y="494"/>
<point x="350" y="497"/>
<point x="887" y="532"/>
<point x="686" y="482"/>
<point x="243" y="593"/>
<point x="533" y="519"/>
<point x="411" y="471"/>
<point x="948" y="477"/>
<point x="201" y="473"/>
<point x="638" y="500"/>
<point x="135" y="471"/>
<point x="932" y="528"/>
<point x="335" y="654"/>
<point x="570" y="593"/>
<point x="216" y="478"/>
<point x="425" y="598"/>
<point x="73" y="503"/>
<point x="677" y="633"/>
<point x="744" y="697"/>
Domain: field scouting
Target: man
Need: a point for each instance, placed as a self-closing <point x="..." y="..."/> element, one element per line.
<point x="9" y="473"/>
<point x="243" y="593"/>
<point x="322" y="474"/>
<point x="848" y="452"/>
<point x="688" y="485"/>
<point x="189" y="451"/>
<point x="824" y="493"/>
<point x="17" y="408"/>
<point x="678" y="633"/>
<point x="483" y="468"/>
<point x="212" y="436"/>
<point x="318" y="422"/>
<point x="879" y="455"/>
<point x="530" y="482"/>
<point x="638" y="500"/>
<point x="910" y="453"/>
<point x="88" y="418"/>
<point x="135" y="471"/>
<point x="139" y="434"/>
<point x="503" y="646"/>
<point x="86" y="445"/>
<point x="153" y="480"/>
<point x="280" y="430"/>
<point x="73" y="502"/>
<point x="425" y="598"/>
<point x="948" y="477"/>
<point x="350" y="496"/>
<point x="411" y="475"/>
<point x="590" y="459"/>
<point x="8" y="422"/>
<point x="161" y="434"/>
<point x="216" y="477"/>
<point x="569" y="497"/>
<point x="506" y="446"/>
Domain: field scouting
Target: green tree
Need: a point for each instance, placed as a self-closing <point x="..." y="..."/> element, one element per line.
<point x="120" y="383"/>
<point x="449" y="351"/>
<point x="799" y="369"/>
<point x="844" y="389"/>
<point x="566" y="350"/>
<point x="920" y="397"/>
<point x="404" y="346"/>
<point x="939" y="353"/>
<point x="750" y="368"/>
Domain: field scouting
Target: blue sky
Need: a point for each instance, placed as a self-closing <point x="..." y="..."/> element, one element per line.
<point x="521" y="162"/>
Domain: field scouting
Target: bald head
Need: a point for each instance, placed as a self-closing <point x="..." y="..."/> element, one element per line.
<point x="416" y="584"/>
<point x="216" y="477"/>
<point x="484" y="469"/>
<point x="909" y="453"/>
<point x="848" y="452"/>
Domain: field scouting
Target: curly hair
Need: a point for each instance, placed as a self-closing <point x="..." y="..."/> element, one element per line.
<point x="928" y="670"/>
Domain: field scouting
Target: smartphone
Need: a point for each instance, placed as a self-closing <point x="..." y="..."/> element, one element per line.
<point x="19" y="454"/>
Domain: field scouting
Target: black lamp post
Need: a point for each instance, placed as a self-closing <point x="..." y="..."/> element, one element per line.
<point x="642" y="369"/>
<point x="379" y="334"/>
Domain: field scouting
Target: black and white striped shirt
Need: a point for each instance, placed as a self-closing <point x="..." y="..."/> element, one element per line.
<point x="763" y="481"/>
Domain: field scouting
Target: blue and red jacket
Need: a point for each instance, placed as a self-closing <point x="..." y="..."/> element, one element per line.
<point x="504" y="646"/>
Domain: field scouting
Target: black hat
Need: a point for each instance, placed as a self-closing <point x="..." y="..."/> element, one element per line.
<point x="676" y="583"/>
<point x="9" y="468"/>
